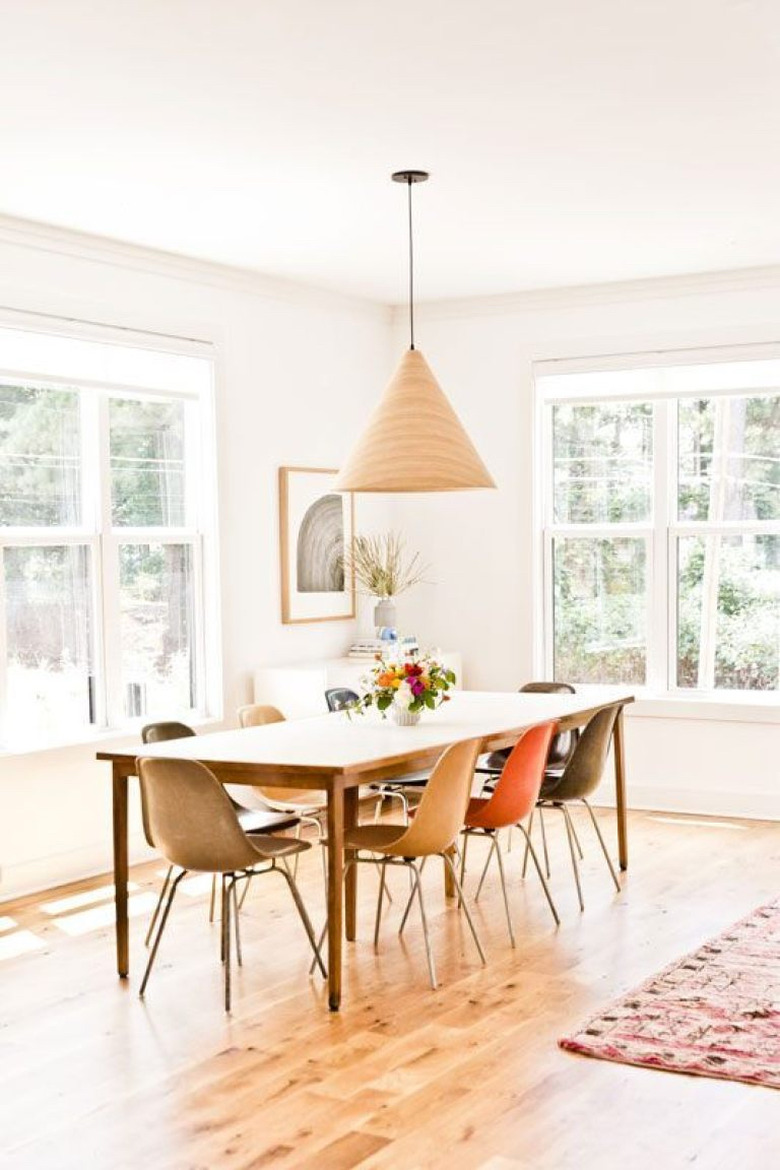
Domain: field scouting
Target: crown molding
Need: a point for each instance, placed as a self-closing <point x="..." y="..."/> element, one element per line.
<point x="580" y="296"/>
<point x="61" y="241"/>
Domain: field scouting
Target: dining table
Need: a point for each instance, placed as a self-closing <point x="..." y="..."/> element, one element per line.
<point x="338" y="753"/>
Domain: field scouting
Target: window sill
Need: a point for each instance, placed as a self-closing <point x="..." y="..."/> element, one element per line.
<point x="103" y="737"/>
<point x="728" y="708"/>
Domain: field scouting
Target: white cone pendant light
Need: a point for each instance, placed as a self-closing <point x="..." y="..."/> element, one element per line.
<point x="414" y="440"/>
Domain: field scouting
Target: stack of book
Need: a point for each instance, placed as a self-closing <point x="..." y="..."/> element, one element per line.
<point x="367" y="648"/>
<point x="370" y="647"/>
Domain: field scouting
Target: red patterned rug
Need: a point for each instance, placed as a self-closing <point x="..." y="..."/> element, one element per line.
<point x="715" y="1013"/>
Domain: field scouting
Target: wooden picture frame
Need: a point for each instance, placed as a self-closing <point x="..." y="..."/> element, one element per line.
<point x="316" y="525"/>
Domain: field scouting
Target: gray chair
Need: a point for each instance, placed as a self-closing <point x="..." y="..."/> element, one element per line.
<point x="581" y="776"/>
<point x="561" y="749"/>
<point x="190" y="819"/>
<point x="251" y="820"/>
<point x="338" y="699"/>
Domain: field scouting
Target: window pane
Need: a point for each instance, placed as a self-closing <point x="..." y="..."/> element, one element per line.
<point x="157" y="628"/>
<point x="40" y="468"/>
<point x="600" y="610"/>
<point x="147" y="462"/>
<point x="602" y="462"/>
<point x="729" y="612"/>
<point x="729" y="459"/>
<point x="50" y="682"/>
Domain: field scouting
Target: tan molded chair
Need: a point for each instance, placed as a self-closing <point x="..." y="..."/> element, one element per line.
<point x="434" y="830"/>
<point x="307" y="805"/>
<point x="188" y="817"/>
<point x="250" y="820"/>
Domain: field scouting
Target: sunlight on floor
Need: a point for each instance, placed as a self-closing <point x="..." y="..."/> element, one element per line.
<point x="21" y="942"/>
<point x="99" y="916"/>
<point x="691" y="822"/>
<point x="76" y="901"/>
<point x="7" y="924"/>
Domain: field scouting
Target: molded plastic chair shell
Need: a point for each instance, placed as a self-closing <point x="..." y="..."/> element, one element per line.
<point x="338" y="698"/>
<point x="517" y="789"/>
<point x="260" y="715"/>
<point x="192" y="822"/>
<point x="440" y="813"/>
<point x="563" y="743"/>
<point x="582" y="774"/>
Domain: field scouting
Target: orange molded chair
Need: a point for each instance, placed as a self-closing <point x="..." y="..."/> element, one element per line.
<point x="513" y="799"/>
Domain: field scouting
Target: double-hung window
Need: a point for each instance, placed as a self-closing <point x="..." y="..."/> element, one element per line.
<point x="105" y="486"/>
<point x="661" y="528"/>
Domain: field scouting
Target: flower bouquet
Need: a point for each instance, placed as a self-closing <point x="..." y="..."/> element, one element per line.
<point x="406" y="687"/>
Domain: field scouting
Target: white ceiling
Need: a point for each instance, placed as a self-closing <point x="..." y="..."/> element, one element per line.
<point x="570" y="141"/>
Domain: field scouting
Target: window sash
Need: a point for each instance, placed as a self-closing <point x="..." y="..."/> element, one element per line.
<point x="661" y="534"/>
<point x="103" y="538"/>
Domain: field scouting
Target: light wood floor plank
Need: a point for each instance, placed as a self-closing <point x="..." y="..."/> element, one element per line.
<point x="468" y="1077"/>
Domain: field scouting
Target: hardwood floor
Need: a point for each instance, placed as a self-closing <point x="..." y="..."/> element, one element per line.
<point x="468" y="1076"/>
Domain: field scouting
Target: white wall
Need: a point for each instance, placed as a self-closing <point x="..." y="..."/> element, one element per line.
<point x="299" y="371"/>
<point x="294" y="367"/>
<point x="481" y="545"/>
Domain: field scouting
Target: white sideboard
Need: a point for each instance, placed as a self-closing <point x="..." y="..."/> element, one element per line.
<point x="299" y="689"/>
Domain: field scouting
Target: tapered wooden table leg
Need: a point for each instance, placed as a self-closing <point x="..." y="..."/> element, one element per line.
<point x="335" y="881"/>
<point x="350" y="885"/>
<point x="618" y="747"/>
<point x="449" y="884"/>
<point x="119" y="788"/>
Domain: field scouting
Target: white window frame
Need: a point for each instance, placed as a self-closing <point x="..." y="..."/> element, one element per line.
<point x="663" y="529"/>
<point x="103" y="539"/>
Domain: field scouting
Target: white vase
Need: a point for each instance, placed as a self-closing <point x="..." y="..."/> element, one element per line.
<point x="403" y="716"/>
<point x="384" y="615"/>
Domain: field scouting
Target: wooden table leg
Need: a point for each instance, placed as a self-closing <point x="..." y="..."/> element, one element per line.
<point x="335" y="881"/>
<point x="351" y="883"/>
<point x="119" y="788"/>
<point x="618" y="747"/>
<point x="449" y="884"/>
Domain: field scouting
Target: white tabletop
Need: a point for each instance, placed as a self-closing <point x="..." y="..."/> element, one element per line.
<point x="341" y="743"/>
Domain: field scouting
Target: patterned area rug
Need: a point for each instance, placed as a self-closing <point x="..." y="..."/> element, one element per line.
<point x="715" y="1013"/>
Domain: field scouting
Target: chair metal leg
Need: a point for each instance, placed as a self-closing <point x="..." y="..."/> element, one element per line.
<point x="573" y="852"/>
<point x="412" y="884"/>
<point x="459" y="891"/>
<point x="298" y="828"/>
<point x="527" y="841"/>
<point x="544" y="842"/>
<point x="577" y="840"/>
<point x="493" y="849"/>
<point x="160" y="929"/>
<point x="383" y="868"/>
<point x="424" y="917"/>
<point x="159" y="905"/>
<point x="602" y="844"/>
<point x="236" y="926"/>
<point x="506" y="896"/>
<point x="304" y="917"/>
<point x="226" y="916"/>
<point x="529" y="847"/>
<point x="213" y="897"/>
<point x="223" y="923"/>
<point x="463" y="858"/>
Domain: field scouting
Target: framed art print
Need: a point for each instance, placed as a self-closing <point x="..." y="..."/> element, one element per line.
<point x="315" y="528"/>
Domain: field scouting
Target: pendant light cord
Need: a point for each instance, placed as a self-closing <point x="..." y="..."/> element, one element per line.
<point x="411" y="268"/>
